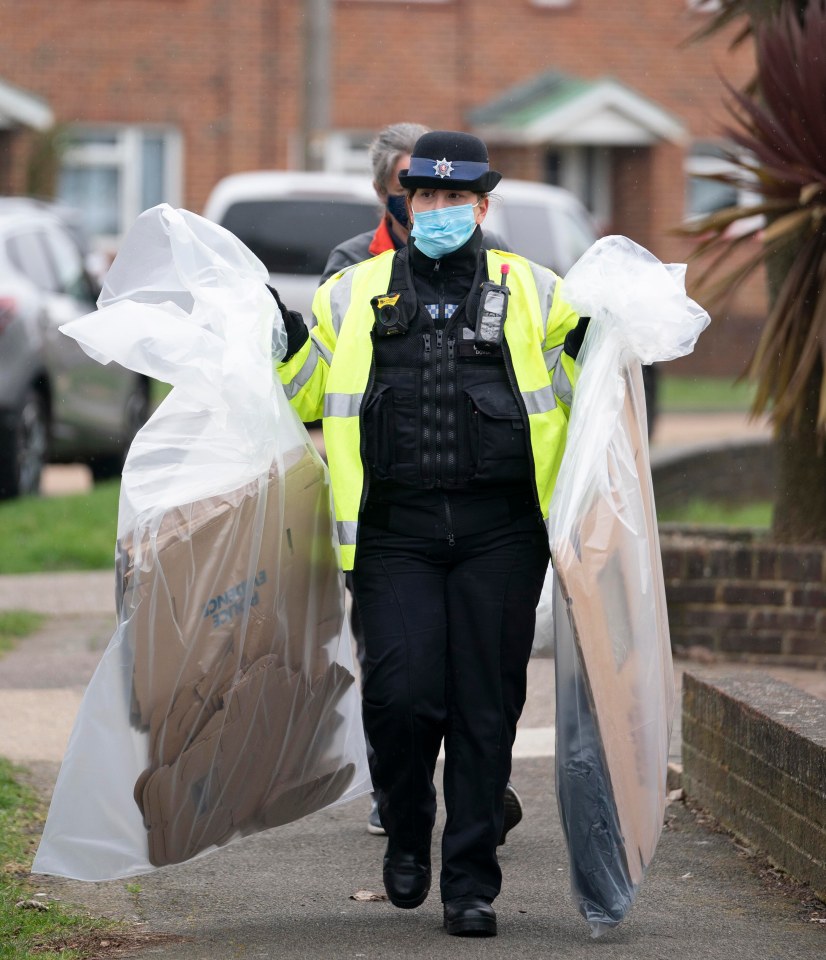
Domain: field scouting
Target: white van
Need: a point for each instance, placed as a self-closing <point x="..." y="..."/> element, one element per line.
<point x="292" y="220"/>
<point x="546" y="224"/>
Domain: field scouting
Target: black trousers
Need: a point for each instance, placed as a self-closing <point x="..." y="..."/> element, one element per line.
<point x="448" y="631"/>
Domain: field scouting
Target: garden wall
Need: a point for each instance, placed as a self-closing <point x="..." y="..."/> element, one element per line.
<point x="754" y="756"/>
<point x="735" y="591"/>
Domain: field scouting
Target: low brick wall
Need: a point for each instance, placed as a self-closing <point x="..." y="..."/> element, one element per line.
<point x="754" y="756"/>
<point x="737" y="592"/>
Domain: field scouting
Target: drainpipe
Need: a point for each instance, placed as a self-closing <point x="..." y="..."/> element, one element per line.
<point x="317" y="61"/>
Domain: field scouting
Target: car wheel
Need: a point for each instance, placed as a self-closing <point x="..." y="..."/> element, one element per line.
<point x="23" y="455"/>
<point x="136" y="413"/>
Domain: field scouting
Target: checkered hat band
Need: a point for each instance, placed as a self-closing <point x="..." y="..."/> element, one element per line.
<point x="447" y="169"/>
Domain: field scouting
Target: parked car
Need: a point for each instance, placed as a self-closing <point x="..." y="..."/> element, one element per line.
<point x="546" y="224"/>
<point x="56" y="403"/>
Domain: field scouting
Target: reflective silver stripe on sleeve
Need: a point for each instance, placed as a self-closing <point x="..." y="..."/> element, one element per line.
<point x="552" y="356"/>
<point x="539" y="401"/>
<point x="304" y="374"/>
<point x="342" y="404"/>
<point x="545" y="282"/>
<point x="326" y="354"/>
<point x="562" y="385"/>
<point x="347" y="530"/>
<point x="340" y="299"/>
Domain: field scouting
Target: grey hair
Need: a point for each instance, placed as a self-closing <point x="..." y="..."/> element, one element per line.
<point x="391" y="143"/>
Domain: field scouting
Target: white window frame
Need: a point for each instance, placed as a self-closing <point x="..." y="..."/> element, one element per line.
<point x="125" y="154"/>
<point x="348" y="151"/>
<point x="552" y="3"/>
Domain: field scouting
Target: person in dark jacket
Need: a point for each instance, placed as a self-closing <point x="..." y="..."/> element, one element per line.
<point x="444" y="373"/>
<point x="389" y="154"/>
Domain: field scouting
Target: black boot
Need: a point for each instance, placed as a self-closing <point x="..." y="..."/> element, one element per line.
<point x="513" y="811"/>
<point x="470" y="917"/>
<point x="406" y="879"/>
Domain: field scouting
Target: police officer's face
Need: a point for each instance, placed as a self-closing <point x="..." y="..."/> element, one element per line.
<point x="427" y="198"/>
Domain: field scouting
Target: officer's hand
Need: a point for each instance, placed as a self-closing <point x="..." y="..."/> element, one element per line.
<point x="297" y="332"/>
<point x="574" y="338"/>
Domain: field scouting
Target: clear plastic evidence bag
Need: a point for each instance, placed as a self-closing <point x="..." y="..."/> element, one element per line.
<point x="225" y="702"/>
<point x="614" y="677"/>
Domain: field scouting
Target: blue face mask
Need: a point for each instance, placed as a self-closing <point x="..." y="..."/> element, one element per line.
<point x="397" y="208"/>
<point x="439" y="232"/>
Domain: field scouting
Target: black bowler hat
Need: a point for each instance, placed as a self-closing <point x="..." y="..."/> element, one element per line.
<point x="448" y="159"/>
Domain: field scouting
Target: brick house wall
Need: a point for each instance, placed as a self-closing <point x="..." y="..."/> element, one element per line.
<point x="207" y="67"/>
<point x="231" y="78"/>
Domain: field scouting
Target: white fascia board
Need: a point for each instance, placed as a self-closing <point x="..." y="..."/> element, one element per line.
<point x="19" y="107"/>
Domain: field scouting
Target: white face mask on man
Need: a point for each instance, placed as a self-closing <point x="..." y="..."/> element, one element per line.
<point x="439" y="232"/>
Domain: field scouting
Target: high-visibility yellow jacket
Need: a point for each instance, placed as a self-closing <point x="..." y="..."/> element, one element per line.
<point x="329" y="376"/>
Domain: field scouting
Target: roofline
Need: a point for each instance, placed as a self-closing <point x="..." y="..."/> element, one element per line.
<point x="21" y="107"/>
<point x="559" y="124"/>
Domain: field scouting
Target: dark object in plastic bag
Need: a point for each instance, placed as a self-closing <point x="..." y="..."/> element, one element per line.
<point x="614" y="687"/>
<point x="598" y="872"/>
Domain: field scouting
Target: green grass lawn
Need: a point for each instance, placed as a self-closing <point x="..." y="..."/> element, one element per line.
<point x="32" y="926"/>
<point x="705" y="513"/>
<point x="78" y="532"/>
<point x="74" y="532"/>
<point x="15" y="624"/>
<point x="702" y="394"/>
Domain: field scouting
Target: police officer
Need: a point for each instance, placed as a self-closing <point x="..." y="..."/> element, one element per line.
<point x="444" y="375"/>
<point x="389" y="154"/>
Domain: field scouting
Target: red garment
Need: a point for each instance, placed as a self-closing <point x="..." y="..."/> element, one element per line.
<point x="382" y="239"/>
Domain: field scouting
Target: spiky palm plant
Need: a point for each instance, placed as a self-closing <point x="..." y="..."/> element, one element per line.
<point x="779" y="138"/>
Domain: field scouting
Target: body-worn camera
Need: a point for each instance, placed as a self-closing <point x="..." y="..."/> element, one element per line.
<point x="390" y="318"/>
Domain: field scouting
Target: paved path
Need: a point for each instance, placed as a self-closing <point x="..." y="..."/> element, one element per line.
<point x="287" y="893"/>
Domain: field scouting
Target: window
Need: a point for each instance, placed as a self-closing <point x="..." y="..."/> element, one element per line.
<point x="68" y="264"/>
<point x="297" y="235"/>
<point x="27" y="252"/>
<point x="112" y="174"/>
<point x="704" y="196"/>
<point x="703" y="6"/>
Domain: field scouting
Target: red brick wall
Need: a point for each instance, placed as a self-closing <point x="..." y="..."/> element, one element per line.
<point x="431" y="62"/>
<point x="230" y="76"/>
<point x="223" y="73"/>
<point x="734" y="592"/>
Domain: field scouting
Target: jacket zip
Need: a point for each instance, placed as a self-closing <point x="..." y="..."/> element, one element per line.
<point x="437" y="408"/>
<point x="426" y="408"/>
<point x="451" y="540"/>
<point x="450" y="433"/>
